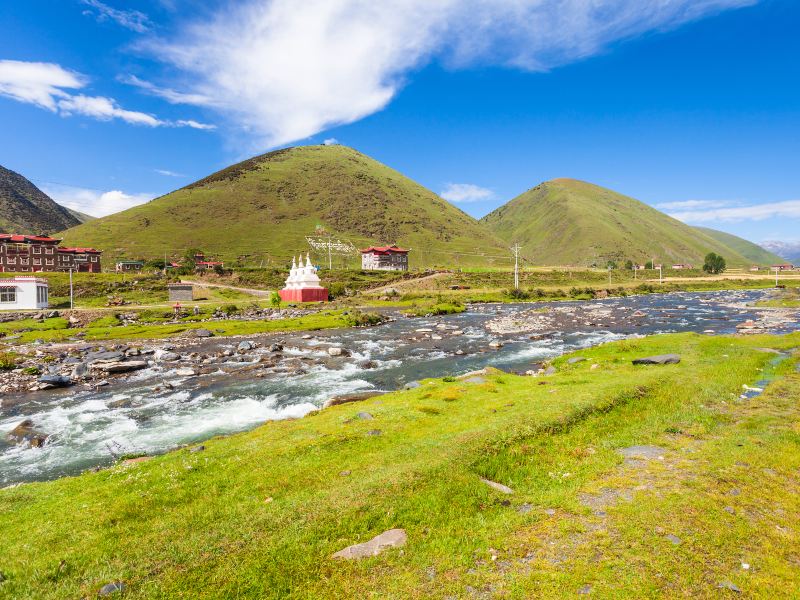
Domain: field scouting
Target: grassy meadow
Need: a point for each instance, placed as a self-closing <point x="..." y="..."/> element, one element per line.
<point x="259" y="514"/>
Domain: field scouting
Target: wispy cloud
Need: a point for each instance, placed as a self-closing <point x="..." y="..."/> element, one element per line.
<point x="167" y="173"/>
<point x="465" y="192"/>
<point x="129" y="19"/>
<point x="50" y="86"/>
<point x="695" y="204"/>
<point x="284" y="70"/>
<point x="168" y="94"/>
<point x="94" y="202"/>
<point x="756" y="212"/>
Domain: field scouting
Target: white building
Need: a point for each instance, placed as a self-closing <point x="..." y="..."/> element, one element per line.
<point x="24" y="293"/>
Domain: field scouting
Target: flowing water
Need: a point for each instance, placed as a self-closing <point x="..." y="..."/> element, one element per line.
<point x="88" y="428"/>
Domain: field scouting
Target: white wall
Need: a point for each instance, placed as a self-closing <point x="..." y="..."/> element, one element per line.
<point x="31" y="294"/>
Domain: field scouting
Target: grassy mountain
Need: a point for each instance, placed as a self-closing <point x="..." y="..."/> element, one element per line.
<point x="82" y="217"/>
<point x="265" y="206"/>
<point x="569" y="222"/>
<point x="24" y="208"/>
<point x="752" y="252"/>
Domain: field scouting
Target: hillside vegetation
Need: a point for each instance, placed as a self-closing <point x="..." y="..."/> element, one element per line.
<point x="570" y="222"/>
<point x="24" y="208"/>
<point x="752" y="252"/>
<point x="265" y="206"/>
<point x="625" y="482"/>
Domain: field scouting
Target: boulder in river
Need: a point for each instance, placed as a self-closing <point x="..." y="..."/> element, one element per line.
<point x="244" y="346"/>
<point x="170" y="356"/>
<point x="660" y="359"/>
<point x="392" y="538"/>
<point x="55" y="380"/>
<point x="337" y="351"/>
<point x="120" y="366"/>
<point x="25" y="432"/>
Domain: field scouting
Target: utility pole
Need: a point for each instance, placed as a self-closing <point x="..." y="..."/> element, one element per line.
<point x="516" y="250"/>
<point x="776" y="276"/>
<point x="71" y="295"/>
<point x="660" y="274"/>
<point x="609" y="274"/>
<point x="330" y="258"/>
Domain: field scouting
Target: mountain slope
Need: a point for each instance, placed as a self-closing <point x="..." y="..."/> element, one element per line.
<point x="752" y="252"/>
<point x="570" y="222"/>
<point x="82" y="217"/>
<point x="266" y="206"/>
<point x="24" y="208"/>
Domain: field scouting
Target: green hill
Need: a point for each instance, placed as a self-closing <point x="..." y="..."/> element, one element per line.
<point x="752" y="252"/>
<point x="82" y="217"/>
<point x="266" y="206"/>
<point x="24" y="208"/>
<point x="569" y="222"/>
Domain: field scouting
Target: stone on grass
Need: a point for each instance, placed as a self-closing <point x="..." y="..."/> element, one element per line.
<point x="643" y="452"/>
<point x="575" y="359"/>
<point x="365" y="416"/>
<point x="203" y="333"/>
<point x="348" y="398"/>
<point x="673" y="538"/>
<point x="551" y="370"/>
<point x="111" y="588"/>
<point x="199" y="448"/>
<point x="393" y="538"/>
<point x="497" y="486"/>
<point x="728" y="585"/>
<point x="584" y="590"/>
<point x="476" y="379"/>
<point x="660" y="359"/>
<point x="412" y="385"/>
<point x="374" y="432"/>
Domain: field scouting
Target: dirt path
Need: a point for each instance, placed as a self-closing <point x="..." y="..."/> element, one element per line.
<point x="251" y="291"/>
<point x="418" y="284"/>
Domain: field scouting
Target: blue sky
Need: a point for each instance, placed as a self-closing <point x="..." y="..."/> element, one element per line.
<point x="692" y="106"/>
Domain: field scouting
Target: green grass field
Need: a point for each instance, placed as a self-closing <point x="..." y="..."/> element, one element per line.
<point x="259" y="514"/>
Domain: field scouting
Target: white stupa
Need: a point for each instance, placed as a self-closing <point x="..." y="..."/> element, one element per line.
<point x="303" y="283"/>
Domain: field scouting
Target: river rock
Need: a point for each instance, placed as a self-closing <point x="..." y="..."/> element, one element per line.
<point x="244" y="346"/>
<point x="25" y="432"/>
<point x="661" y="359"/>
<point x="337" y="351"/>
<point x="185" y="372"/>
<point x="496" y="345"/>
<point x="203" y="333"/>
<point x="394" y="538"/>
<point x="120" y="366"/>
<point x="276" y="348"/>
<point x="348" y="398"/>
<point x="81" y="369"/>
<point x="55" y="380"/>
<point x="170" y="356"/>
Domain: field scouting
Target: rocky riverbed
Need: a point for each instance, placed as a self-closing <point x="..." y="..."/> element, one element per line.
<point x="148" y="397"/>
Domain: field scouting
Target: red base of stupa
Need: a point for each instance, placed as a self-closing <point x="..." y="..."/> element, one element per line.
<point x="304" y="295"/>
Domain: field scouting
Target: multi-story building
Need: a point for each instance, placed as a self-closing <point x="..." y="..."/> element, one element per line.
<point x="384" y="258"/>
<point x="36" y="253"/>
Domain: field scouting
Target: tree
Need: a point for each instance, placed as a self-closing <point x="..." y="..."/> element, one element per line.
<point x="611" y="264"/>
<point x="629" y="265"/>
<point x="648" y="264"/>
<point x="714" y="264"/>
<point x="275" y="299"/>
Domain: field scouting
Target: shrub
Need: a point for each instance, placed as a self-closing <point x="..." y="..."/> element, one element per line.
<point x="31" y="371"/>
<point x="8" y="360"/>
<point x="275" y="299"/>
<point x="518" y="294"/>
<point x="357" y="318"/>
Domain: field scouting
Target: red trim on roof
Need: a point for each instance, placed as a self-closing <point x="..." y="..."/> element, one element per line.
<point x="17" y="238"/>
<point x="384" y="250"/>
<point x="80" y="250"/>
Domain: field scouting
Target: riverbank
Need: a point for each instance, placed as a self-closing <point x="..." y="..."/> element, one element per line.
<point x="622" y="480"/>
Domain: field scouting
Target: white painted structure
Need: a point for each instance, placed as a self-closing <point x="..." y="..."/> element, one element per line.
<point x="24" y="293"/>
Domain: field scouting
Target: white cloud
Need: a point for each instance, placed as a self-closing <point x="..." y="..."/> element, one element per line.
<point x="45" y="85"/>
<point x="694" y="204"/>
<point x="130" y="19"/>
<point x="789" y="209"/>
<point x="105" y="109"/>
<point x="37" y="83"/>
<point x="94" y="202"/>
<point x="167" y="173"/>
<point x="330" y="142"/>
<point x="284" y="70"/>
<point x="465" y="192"/>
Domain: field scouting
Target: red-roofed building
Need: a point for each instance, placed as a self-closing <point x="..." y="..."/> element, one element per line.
<point x="384" y="258"/>
<point x="37" y="253"/>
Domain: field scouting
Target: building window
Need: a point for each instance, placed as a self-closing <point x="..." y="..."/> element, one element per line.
<point x="37" y="249"/>
<point x="48" y="250"/>
<point x="41" y="294"/>
<point x="94" y="259"/>
<point x="37" y="261"/>
<point x="12" y="261"/>
<point x="8" y="294"/>
<point x="48" y="261"/>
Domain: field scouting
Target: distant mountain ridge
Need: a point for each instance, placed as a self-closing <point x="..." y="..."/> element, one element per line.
<point x="786" y="250"/>
<point x="265" y="207"/>
<point x="751" y="251"/>
<point x="571" y="222"/>
<point x="24" y="208"/>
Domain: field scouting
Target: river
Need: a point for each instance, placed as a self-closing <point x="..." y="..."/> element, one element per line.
<point x="90" y="427"/>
